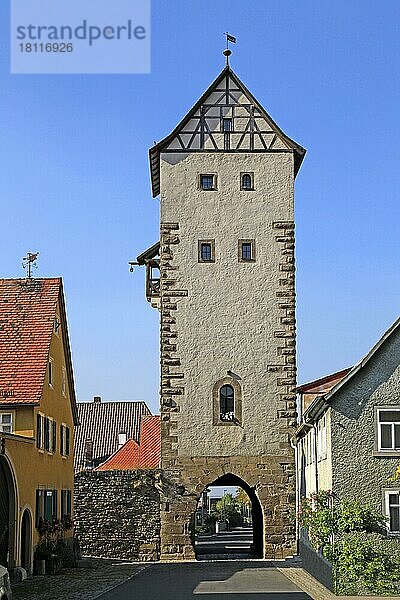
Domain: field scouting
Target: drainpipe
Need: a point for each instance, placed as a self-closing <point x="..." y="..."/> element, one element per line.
<point x="297" y="494"/>
<point x="316" y="458"/>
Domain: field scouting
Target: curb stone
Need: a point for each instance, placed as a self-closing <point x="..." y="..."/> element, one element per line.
<point x="114" y="587"/>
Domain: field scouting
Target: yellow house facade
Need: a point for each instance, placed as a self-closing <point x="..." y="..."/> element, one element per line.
<point x="37" y="416"/>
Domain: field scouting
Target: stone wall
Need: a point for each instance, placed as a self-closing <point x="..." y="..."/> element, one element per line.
<point x="117" y="514"/>
<point x="315" y="563"/>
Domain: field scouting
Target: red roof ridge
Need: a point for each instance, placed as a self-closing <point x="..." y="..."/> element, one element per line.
<point x="126" y="458"/>
<point x="317" y="382"/>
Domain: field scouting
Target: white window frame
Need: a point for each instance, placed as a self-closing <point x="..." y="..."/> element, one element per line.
<point x="378" y="425"/>
<point x="63" y="440"/>
<point x="321" y="438"/>
<point x="387" y="492"/>
<point x="64" y="382"/>
<point x="50" y="372"/>
<point x="12" y="420"/>
<point x="122" y="438"/>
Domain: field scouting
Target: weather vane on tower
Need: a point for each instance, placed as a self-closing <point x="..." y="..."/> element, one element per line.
<point x="227" y="52"/>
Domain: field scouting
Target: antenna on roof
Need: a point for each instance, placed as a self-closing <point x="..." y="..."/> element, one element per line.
<point x="227" y="52"/>
<point x="29" y="261"/>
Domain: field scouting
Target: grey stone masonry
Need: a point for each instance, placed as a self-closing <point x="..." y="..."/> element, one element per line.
<point x="117" y="514"/>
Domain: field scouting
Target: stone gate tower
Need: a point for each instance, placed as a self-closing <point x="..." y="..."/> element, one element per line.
<point x="225" y="291"/>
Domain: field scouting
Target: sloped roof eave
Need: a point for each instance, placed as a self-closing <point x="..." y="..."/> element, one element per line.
<point x="149" y="253"/>
<point x="323" y="401"/>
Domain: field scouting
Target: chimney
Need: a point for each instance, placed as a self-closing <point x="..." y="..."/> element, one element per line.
<point x="97" y="399"/>
<point x="89" y="454"/>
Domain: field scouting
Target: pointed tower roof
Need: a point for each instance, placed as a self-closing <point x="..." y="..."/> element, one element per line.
<point x="251" y="129"/>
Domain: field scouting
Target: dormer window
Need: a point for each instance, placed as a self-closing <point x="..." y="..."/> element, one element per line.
<point x="121" y="439"/>
<point x="227" y="125"/>
<point x="247" y="181"/>
<point x="208" y="182"/>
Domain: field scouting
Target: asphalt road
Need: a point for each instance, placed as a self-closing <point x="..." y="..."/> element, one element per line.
<point x="220" y="580"/>
<point x="236" y="542"/>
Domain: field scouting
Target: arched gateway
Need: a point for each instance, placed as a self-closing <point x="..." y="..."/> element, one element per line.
<point x="226" y="295"/>
<point x="229" y="480"/>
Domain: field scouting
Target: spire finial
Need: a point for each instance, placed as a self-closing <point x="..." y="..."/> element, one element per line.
<point x="227" y="52"/>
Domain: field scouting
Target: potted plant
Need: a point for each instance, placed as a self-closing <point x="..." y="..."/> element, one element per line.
<point x="42" y="554"/>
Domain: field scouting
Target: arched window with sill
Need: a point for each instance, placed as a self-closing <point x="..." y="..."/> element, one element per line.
<point x="246" y="181"/>
<point x="227" y="402"/>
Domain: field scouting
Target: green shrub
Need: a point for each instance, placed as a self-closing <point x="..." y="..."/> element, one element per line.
<point x="349" y="535"/>
<point x="362" y="565"/>
<point x="65" y="553"/>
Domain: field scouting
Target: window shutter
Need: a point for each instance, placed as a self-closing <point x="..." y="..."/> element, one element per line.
<point x="54" y="508"/>
<point x="46" y="434"/>
<point x="38" y="512"/>
<point x="67" y="441"/>
<point x="39" y="431"/>
<point x="61" y="439"/>
<point x="69" y="503"/>
<point x="54" y="436"/>
<point x="48" y="505"/>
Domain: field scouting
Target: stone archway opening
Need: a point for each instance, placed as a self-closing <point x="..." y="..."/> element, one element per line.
<point x="228" y="523"/>
<point x="7" y="515"/>
<point x="26" y="541"/>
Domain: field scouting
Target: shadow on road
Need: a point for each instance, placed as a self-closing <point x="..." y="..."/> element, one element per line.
<point x="220" y="580"/>
<point x="235" y="544"/>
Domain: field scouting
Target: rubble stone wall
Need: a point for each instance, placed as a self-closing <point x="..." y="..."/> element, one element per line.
<point x="117" y="514"/>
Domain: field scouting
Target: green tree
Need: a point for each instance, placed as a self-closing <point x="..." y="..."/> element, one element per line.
<point x="228" y="509"/>
<point x="242" y="498"/>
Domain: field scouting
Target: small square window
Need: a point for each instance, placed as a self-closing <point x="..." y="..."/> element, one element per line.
<point x="206" y="251"/>
<point x="227" y="125"/>
<point x="208" y="182"/>
<point x="56" y="325"/>
<point x="247" y="181"/>
<point x="64" y="382"/>
<point x="389" y="429"/>
<point x="247" y="251"/>
<point x="392" y="510"/>
<point x="6" y="422"/>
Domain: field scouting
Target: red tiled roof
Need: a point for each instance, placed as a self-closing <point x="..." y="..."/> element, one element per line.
<point x="100" y="423"/>
<point x="27" y="312"/>
<point x="150" y="442"/>
<point x="131" y="455"/>
<point x="125" y="458"/>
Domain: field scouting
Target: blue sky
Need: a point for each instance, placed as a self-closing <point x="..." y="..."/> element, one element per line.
<point x="75" y="181"/>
